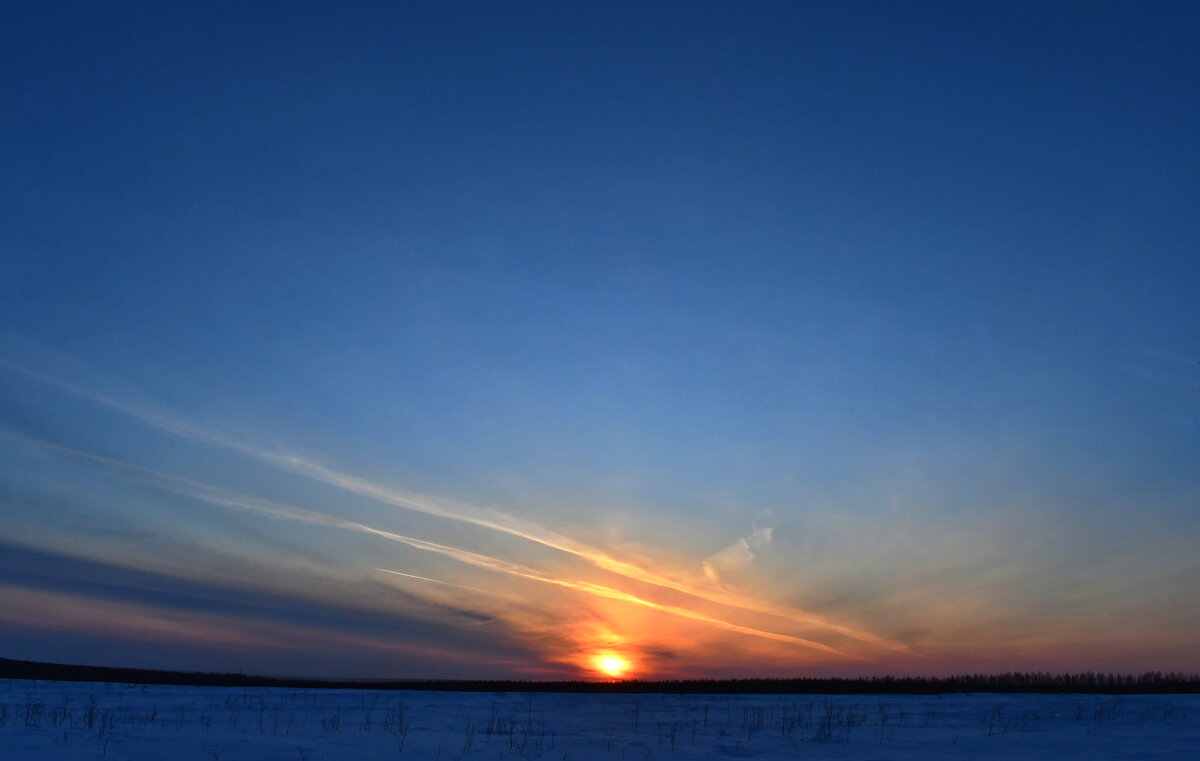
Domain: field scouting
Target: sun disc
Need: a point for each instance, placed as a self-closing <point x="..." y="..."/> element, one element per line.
<point x="610" y="664"/>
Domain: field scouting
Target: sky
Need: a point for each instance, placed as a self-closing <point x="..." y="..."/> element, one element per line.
<point x="586" y="340"/>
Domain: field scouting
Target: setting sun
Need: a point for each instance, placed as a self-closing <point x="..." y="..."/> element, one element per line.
<point x="611" y="664"/>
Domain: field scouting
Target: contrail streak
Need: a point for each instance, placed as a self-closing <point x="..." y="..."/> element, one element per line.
<point x="492" y="519"/>
<point x="226" y="498"/>
<point x="477" y="590"/>
<point x="598" y="590"/>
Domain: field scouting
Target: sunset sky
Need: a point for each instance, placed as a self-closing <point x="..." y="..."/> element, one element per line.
<point x="460" y="339"/>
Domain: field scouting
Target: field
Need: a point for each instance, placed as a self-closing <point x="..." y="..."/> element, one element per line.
<point x="53" y="721"/>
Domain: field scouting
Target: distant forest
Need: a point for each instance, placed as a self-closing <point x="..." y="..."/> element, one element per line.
<point x="1153" y="682"/>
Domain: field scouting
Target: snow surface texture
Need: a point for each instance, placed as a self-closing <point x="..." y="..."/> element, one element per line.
<point x="42" y="721"/>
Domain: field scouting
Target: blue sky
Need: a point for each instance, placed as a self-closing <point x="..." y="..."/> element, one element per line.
<point x="893" y="305"/>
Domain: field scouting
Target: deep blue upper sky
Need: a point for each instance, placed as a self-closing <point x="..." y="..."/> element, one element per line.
<point x="646" y="259"/>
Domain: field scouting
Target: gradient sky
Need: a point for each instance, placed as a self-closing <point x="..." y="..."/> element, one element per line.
<point x="486" y="339"/>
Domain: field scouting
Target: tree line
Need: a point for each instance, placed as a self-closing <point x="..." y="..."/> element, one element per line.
<point x="1013" y="681"/>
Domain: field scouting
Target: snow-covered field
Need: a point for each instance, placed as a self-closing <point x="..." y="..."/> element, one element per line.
<point x="72" y="720"/>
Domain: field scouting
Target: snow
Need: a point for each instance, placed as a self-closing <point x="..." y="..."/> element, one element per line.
<point x="56" y="721"/>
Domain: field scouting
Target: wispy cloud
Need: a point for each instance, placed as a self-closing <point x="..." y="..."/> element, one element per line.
<point x="226" y="498"/>
<point x="738" y="555"/>
<point x="484" y="517"/>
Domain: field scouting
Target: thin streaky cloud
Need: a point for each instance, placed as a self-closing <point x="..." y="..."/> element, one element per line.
<point x="497" y="520"/>
<point x="489" y="593"/>
<point x="598" y="590"/>
<point x="226" y="498"/>
<point x="437" y="581"/>
<point x="553" y="540"/>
